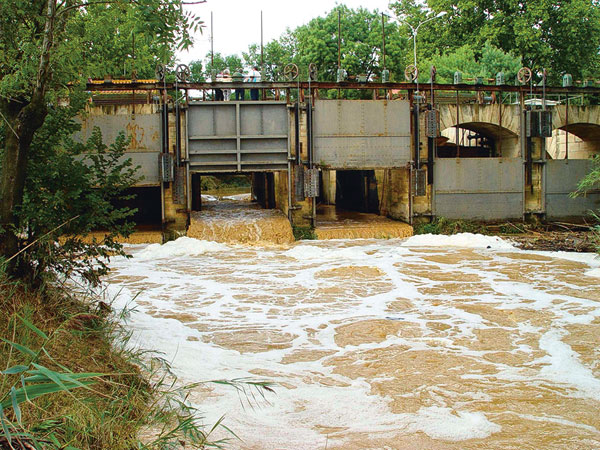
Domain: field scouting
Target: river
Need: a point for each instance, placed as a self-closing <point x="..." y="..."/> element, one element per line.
<point x="429" y="342"/>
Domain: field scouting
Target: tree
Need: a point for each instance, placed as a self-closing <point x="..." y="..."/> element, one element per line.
<point x="559" y="36"/>
<point x="317" y="43"/>
<point x="465" y="60"/>
<point x="45" y="46"/>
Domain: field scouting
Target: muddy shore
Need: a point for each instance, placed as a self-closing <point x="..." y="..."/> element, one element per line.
<point x="568" y="241"/>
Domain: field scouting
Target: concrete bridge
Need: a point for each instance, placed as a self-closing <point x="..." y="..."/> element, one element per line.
<point x="467" y="154"/>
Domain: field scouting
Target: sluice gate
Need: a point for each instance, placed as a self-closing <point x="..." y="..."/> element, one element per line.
<point x="237" y="136"/>
<point x="478" y="188"/>
<point x="479" y="162"/>
<point x="362" y="134"/>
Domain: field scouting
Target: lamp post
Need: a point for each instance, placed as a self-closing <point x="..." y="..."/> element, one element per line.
<point x="415" y="30"/>
<point x="417" y="134"/>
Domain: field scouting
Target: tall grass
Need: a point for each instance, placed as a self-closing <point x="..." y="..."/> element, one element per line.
<point x="71" y="380"/>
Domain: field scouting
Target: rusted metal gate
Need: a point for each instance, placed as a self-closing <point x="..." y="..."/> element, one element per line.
<point x="238" y="136"/>
<point x="361" y="134"/>
<point x="562" y="177"/>
<point x="144" y="146"/>
<point x="478" y="188"/>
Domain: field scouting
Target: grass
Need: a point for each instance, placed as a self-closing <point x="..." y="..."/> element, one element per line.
<point x="132" y="399"/>
<point x="303" y="233"/>
<point x="442" y="225"/>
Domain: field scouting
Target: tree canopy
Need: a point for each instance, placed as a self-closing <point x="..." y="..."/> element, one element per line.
<point x="563" y="37"/>
<point x="361" y="46"/>
<point x="47" y="49"/>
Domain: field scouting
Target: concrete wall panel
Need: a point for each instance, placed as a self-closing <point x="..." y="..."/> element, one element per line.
<point x="362" y="134"/>
<point x="479" y="188"/>
<point x="562" y="177"/>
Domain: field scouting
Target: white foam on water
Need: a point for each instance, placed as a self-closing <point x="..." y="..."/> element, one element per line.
<point x="563" y="365"/>
<point x="558" y="420"/>
<point x="592" y="259"/>
<point x="447" y="424"/>
<point x="208" y="198"/>
<point x="466" y="240"/>
<point x="246" y="196"/>
<point x="593" y="273"/>
<point x="304" y="252"/>
<point x="228" y="290"/>
<point x="183" y="246"/>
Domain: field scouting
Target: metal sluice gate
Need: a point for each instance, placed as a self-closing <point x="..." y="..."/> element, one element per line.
<point x="242" y="136"/>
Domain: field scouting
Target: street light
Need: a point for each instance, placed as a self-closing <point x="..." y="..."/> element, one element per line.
<point x="417" y="136"/>
<point x="414" y="33"/>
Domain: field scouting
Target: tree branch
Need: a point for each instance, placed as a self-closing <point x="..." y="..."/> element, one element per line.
<point x="106" y="2"/>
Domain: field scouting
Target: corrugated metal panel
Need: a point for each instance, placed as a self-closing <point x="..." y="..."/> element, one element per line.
<point x="361" y="134"/>
<point x="144" y="130"/>
<point x="562" y="177"/>
<point x="238" y="136"/>
<point x="479" y="188"/>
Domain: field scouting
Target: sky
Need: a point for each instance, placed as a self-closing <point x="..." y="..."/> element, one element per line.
<point x="237" y="22"/>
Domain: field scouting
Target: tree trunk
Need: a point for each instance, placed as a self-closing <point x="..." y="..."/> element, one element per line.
<point x="24" y="117"/>
<point x="24" y="122"/>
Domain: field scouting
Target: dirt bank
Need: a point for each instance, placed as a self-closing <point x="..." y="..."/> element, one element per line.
<point x="568" y="241"/>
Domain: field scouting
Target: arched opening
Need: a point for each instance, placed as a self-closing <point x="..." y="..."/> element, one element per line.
<point x="574" y="141"/>
<point x="477" y="140"/>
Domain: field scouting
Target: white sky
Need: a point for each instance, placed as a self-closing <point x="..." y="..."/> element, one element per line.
<point x="237" y="22"/>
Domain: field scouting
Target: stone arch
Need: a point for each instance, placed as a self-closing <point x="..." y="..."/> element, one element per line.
<point x="495" y="115"/>
<point x="581" y="140"/>
<point x="478" y="139"/>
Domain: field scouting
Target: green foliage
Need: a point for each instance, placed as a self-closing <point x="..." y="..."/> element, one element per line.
<point x="28" y="380"/>
<point x="88" y="41"/>
<point x="317" y="43"/>
<point x="562" y="37"/>
<point x="591" y="182"/>
<point x="71" y="190"/>
<point x="135" y="401"/>
<point x="465" y="59"/>
<point x="47" y="48"/>
<point x="219" y="63"/>
<point x="303" y="233"/>
<point x="441" y="225"/>
<point x="224" y="182"/>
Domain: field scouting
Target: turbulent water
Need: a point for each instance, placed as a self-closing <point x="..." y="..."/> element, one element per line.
<point x="235" y="220"/>
<point x="431" y="342"/>
<point x="333" y="223"/>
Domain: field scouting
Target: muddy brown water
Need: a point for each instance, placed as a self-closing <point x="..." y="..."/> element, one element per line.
<point x="376" y="344"/>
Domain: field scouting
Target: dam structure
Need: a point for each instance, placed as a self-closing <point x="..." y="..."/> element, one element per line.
<point x="478" y="151"/>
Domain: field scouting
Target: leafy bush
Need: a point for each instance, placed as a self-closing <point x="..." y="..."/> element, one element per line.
<point x="589" y="182"/>
<point x="441" y="225"/>
<point x="303" y="233"/>
<point x="71" y="190"/>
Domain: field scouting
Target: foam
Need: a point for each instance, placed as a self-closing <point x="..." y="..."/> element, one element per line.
<point x="313" y="252"/>
<point x="466" y="240"/>
<point x="592" y="259"/>
<point x="444" y="423"/>
<point x="245" y="197"/>
<point x="563" y="365"/>
<point x="209" y="198"/>
<point x="183" y="246"/>
<point x="593" y="273"/>
<point x="229" y="289"/>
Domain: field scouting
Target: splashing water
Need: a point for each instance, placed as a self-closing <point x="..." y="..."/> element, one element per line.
<point x="437" y="343"/>
<point x="235" y="219"/>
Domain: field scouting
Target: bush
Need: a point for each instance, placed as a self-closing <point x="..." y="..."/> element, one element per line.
<point x="71" y="190"/>
<point x="441" y="225"/>
<point x="589" y="182"/>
